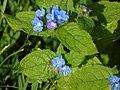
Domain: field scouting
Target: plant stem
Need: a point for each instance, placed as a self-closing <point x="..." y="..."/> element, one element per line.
<point x="52" y="84"/>
<point x="4" y="49"/>
<point x="4" y="6"/>
<point x="7" y="86"/>
<point x="3" y="10"/>
<point x="10" y="56"/>
<point x="23" y="79"/>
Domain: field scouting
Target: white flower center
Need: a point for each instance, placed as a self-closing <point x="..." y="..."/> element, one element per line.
<point x="58" y="61"/>
<point x="53" y="24"/>
<point x="59" y="17"/>
<point x="41" y="15"/>
<point x="38" y="24"/>
<point x="52" y="17"/>
<point x="84" y="9"/>
<point x="117" y="85"/>
<point x="64" y="68"/>
<point x="114" y="80"/>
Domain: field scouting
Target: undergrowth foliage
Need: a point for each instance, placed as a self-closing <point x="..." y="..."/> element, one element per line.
<point x="83" y="29"/>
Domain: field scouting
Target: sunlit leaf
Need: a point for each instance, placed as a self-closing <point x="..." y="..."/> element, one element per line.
<point x="36" y="65"/>
<point x="91" y="77"/>
<point x="75" y="39"/>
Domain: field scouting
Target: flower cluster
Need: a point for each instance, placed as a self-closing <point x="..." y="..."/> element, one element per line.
<point x="84" y="10"/>
<point x="55" y="17"/>
<point x="59" y="62"/>
<point x="37" y="22"/>
<point x="114" y="80"/>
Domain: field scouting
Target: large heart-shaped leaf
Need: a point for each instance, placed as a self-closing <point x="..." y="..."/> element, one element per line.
<point x="90" y="77"/>
<point x="75" y="39"/>
<point x="36" y="65"/>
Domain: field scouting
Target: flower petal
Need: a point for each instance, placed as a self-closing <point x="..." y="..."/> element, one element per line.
<point x="62" y="12"/>
<point x="54" y="9"/>
<point x="37" y="28"/>
<point x="65" y="17"/>
<point x="65" y="70"/>
<point x="58" y="61"/>
<point x="43" y="12"/>
<point x="49" y="16"/>
<point x="34" y="22"/>
<point x="41" y="22"/>
<point x="51" y="25"/>
<point x="38" y="12"/>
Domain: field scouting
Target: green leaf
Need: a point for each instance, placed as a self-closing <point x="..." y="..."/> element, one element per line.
<point x="106" y="11"/>
<point x="15" y="23"/>
<point x="105" y="58"/>
<point x="60" y="50"/>
<point x="36" y="65"/>
<point x="23" y="21"/>
<point x="20" y="83"/>
<point x="15" y="36"/>
<point x="112" y="26"/>
<point x="92" y="61"/>
<point x="47" y="4"/>
<point x="75" y="39"/>
<point x="34" y="86"/>
<point x="86" y="23"/>
<point x="70" y="5"/>
<point x="86" y="2"/>
<point x="91" y="77"/>
<point x="74" y="58"/>
<point x="67" y="5"/>
<point x="26" y="16"/>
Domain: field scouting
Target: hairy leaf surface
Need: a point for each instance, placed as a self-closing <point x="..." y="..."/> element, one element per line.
<point x="36" y="65"/>
<point x="75" y="39"/>
<point x="91" y="77"/>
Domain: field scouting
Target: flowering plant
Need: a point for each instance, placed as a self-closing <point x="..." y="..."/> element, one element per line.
<point x="69" y="45"/>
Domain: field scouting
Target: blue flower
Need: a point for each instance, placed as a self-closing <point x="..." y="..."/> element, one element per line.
<point x="40" y="13"/>
<point x="61" y="16"/>
<point x="115" y="86"/>
<point x="65" y="70"/>
<point x="51" y="16"/>
<point x="51" y="25"/>
<point x="54" y="9"/>
<point x="58" y="61"/>
<point x="114" y="79"/>
<point x="38" y="24"/>
<point x="56" y="15"/>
